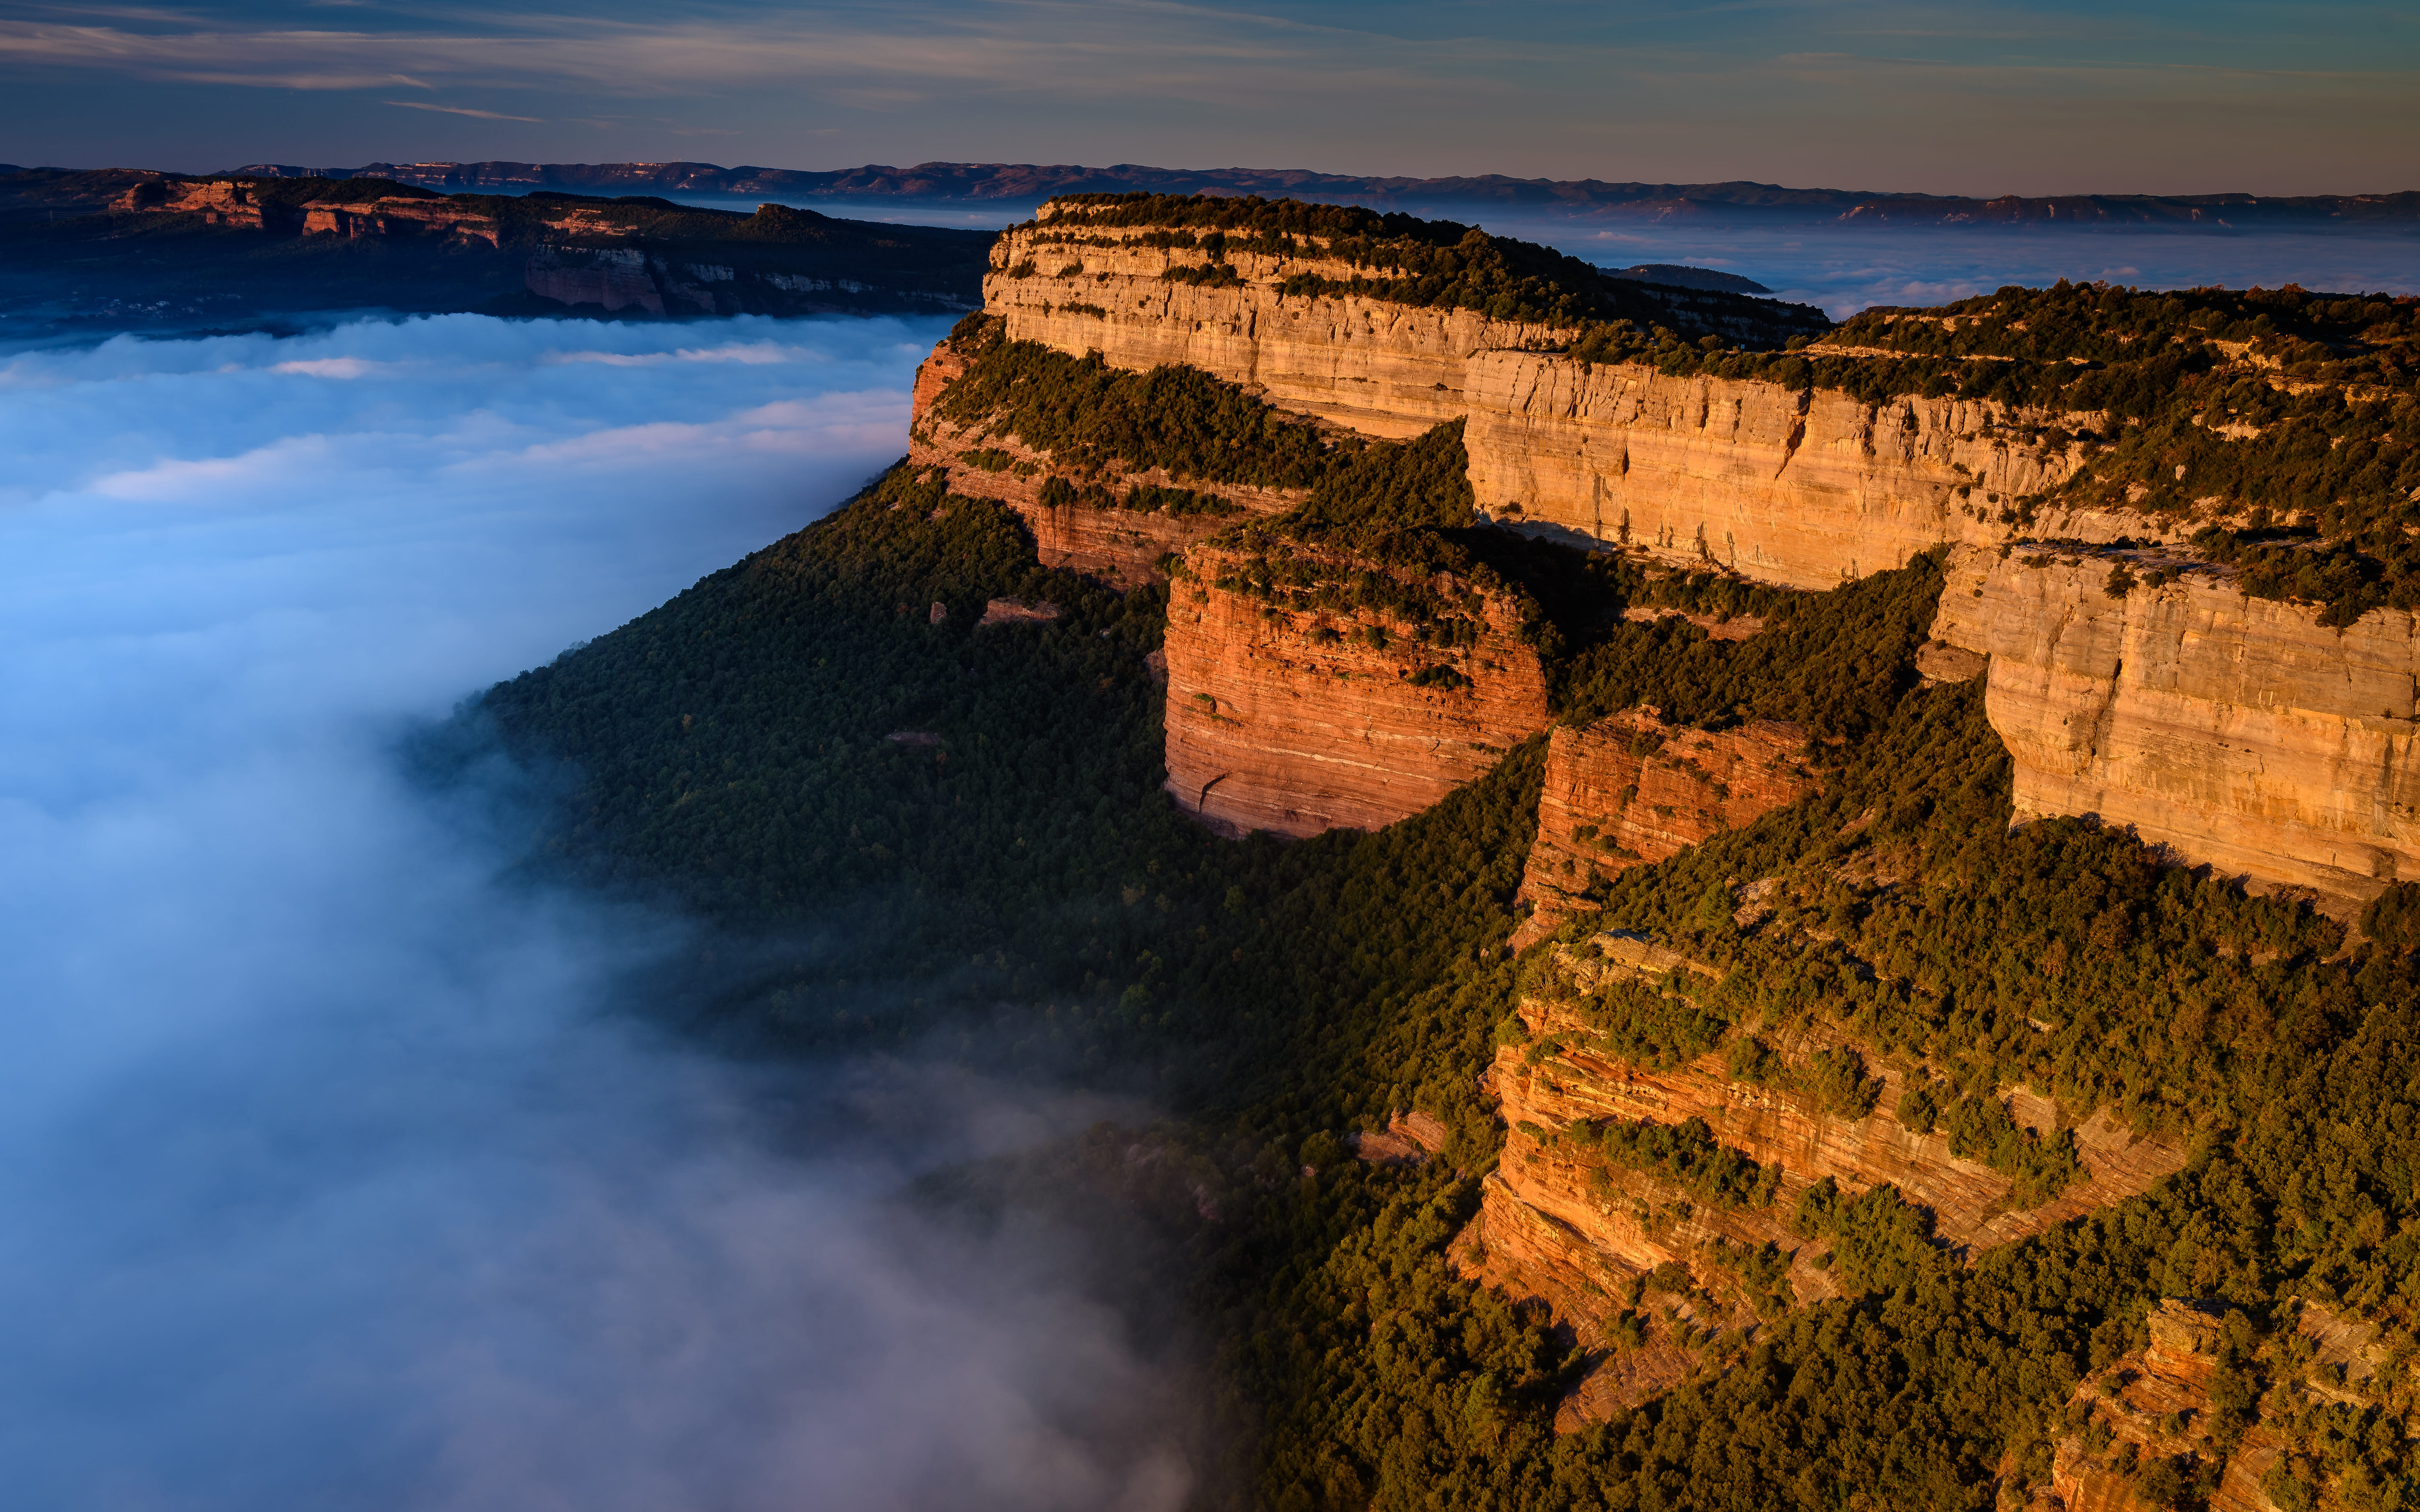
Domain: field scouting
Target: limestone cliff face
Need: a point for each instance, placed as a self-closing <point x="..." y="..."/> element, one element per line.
<point x="2234" y="730"/>
<point x="1798" y="488"/>
<point x="1629" y="790"/>
<point x="1298" y="722"/>
<point x="1124" y="547"/>
<point x="400" y="218"/>
<point x="1549" y="1228"/>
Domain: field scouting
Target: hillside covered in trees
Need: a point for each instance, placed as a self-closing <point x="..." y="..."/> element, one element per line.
<point x="827" y="739"/>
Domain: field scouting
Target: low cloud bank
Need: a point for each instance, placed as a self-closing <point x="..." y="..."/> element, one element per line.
<point x="328" y="1176"/>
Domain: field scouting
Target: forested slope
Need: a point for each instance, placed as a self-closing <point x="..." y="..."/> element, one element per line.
<point x="1011" y="873"/>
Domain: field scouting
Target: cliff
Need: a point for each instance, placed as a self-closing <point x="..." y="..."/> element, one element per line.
<point x="1084" y="524"/>
<point x="1629" y="791"/>
<point x="1796" y="486"/>
<point x="1558" y="1221"/>
<point x="2232" y="730"/>
<point x="1300" y="720"/>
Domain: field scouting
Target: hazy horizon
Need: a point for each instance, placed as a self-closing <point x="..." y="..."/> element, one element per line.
<point x="2031" y="97"/>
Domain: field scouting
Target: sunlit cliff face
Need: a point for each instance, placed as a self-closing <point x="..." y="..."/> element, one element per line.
<point x="327" y="1178"/>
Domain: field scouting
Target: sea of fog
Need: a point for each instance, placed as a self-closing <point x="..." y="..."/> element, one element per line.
<point x="339" y="1170"/>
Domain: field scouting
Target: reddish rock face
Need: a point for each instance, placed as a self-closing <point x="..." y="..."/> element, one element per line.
<point x="1630" y="789"/>
<point x="1124" y="547"/>
<point x="2155" y="1404"/>
<point x="2235" y="731"/>
<point x="1298" y="722"/>
<point x="1556" y="1223"/>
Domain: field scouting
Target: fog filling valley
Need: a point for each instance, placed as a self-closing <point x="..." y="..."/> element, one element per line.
<point x="329" y="1176"/>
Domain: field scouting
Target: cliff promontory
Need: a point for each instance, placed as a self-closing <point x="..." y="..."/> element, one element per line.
<point x="1297" y="717"/>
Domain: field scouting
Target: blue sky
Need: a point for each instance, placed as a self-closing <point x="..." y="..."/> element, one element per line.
<point x="2035" y="97"/>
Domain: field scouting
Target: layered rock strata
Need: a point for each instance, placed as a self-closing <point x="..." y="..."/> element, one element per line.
<point x="1549" y="1225"/>
<point x="2155" y="1404"/>
<point x="1787" y="486"/>
<point x="1299" y="721"/>
<point x="1124" y="547"/>
<point x="2234" y="730"/>
<point x="230" y="202"/>
<point x="1630" y="790"/>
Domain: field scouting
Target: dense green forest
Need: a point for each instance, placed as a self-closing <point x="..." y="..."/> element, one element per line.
<point x="917" y="832"/>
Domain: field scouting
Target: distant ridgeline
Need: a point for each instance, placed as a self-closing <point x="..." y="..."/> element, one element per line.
<point x="1658" y="1071"/>
<point x="271" y="243"/>
<point x="1763" y="203"/>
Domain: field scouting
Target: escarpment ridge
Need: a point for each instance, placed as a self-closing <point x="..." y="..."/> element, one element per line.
<point x="374" y="242"/>
<point x="1762" y="475"/>
<point x="2096" y="417"/>
<point x="1846" y="1134"/>
<point x="1766" y="203"/>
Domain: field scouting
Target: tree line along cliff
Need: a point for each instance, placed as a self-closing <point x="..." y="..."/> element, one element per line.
<point x="1826" y="1131"/>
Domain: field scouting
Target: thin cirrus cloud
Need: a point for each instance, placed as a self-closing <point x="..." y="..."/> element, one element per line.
<point x="2035" y="96"/>
<point x="335" y="1175"/>
<point x="459" y="110"/>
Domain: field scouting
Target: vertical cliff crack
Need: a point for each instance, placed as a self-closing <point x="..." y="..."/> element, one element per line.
<point x="1789" y="447"/>
<point x="2106" y="717"/>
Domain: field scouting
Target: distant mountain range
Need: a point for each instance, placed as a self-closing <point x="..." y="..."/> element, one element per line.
<point x="1585" y="197"/>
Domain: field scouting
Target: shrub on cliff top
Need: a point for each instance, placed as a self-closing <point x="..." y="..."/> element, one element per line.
<point x="1836" y="662"/>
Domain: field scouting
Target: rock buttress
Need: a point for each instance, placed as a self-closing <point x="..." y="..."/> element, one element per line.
<point x="1558" y="1221"/>
<point x="1299" y="721"/>
<point x="2233" y="731"/>
<point x="1629" y="790"/>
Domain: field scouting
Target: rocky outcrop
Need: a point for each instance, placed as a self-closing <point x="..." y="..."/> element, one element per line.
<point x="232" y="202"/>
<point x="1556" y="1223"/>
<point x="1082" y="525"/>
<point x="1787" y="486"/>
<point x="1630" y="790"/>
<point x="1296" y="721"/>
<point x="2232" y="730"/>
<point x="2161" y="1404"/>
<point x="1018" y="612"/>
<point x="217" y="201"/>
<point x="614" y="278"/>
<point x="400" y="218"/>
